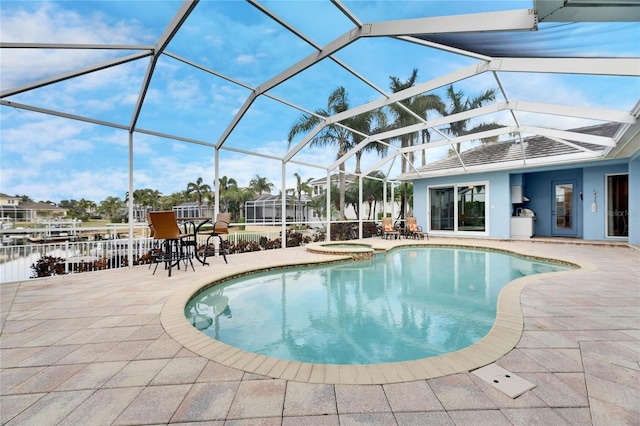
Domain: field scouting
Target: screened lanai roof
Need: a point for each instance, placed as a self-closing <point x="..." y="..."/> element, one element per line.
<point x="99" y="98"/>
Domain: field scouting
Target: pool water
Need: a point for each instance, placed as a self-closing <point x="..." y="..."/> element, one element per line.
<point x="406" y="304"/>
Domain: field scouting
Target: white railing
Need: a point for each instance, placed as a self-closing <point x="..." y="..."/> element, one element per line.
<point x="16" y="260"/>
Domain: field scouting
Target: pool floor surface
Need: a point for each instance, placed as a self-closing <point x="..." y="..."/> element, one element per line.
<point x="92" y="349"/>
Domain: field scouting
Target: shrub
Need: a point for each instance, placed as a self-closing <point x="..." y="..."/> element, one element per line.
<point x="47" y="266"/>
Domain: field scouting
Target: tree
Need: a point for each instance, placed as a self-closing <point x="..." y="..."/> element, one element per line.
<point x="237" y="197"/>
<point x="335" y="201"/>
<point x="261" y="185"/>
<point x="302" y="187"/>
<point x="174" y="199"/>
<point x="367" y="123"/>
<point x="154" y="199"/>
<point x="406" y="113"/>
<point x="209" y="198"/>
<point x="318" y="206"/>
<point x="110" y="206"/>
<point x="458" y="103"/>
<point x="199" y="189"/>
<point x="84" y="207"/>
<point x="244" y="195"/>
<point x="329" y="135"/>
<point x="352" y="197"/>
<point x="224" y="184"/>
<point x="372" y="191"/>
<point x="71" y="206"/>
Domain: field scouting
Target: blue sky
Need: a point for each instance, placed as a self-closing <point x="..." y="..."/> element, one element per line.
<point x="51" y="158"/>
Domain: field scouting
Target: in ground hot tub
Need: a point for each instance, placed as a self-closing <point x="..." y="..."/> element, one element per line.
<point x="357" y="251"/>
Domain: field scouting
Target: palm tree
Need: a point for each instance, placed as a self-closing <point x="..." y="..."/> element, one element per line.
<point x="261" y="185"/>
<point x="367" y="123"/>
<point x="226" y="184"/>
<point x="458" y="103"/>
<point x="154" y="198"/>
<point x="199" y="189"/>
<point x="175" y="199"/>
<point x="209" y="198"/>
<point x="237" y="197"/>
<point x="372" y="191"/>
<point x="110" y="206"/>
<point x="244" y="195"/>
<point x="329" y="135"/>
<point x="352" y="197"/>
<point x="302" y="187"/>
<point x="318" y="206"/>
<point x="419" y="105"/>
<point x="335" y="201"/>
<point x="84" y="206"/>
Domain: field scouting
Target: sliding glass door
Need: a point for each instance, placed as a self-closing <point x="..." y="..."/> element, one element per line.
<point x="458" y="208"/>
<point x="442" y="209"/>
<point x="617" y="208"/>
<point x="471" y="208"/>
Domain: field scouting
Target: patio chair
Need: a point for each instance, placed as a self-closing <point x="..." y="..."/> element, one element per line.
<point x="165" y="227"/>
<point x="155" y="250"/>
<point x="189" y="237"/>
<point x="414" y="230"/>
<point x="388" y="230"/>
<point x="220" y="228"/>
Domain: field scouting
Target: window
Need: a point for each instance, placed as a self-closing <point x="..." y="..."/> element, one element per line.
<point x="458" y="208"/>
<point x="617" y="208"/>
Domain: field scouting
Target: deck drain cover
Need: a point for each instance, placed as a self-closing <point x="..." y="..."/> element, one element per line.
<point x="504" y="380"/>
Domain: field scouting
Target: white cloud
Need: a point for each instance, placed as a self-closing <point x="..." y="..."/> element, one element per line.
<point x="245" y="59"/>
<point x="185" y="93"/>
<point x="33" y="136"/>
<point x="52" y="24"/>
<point x="53" y="158"/>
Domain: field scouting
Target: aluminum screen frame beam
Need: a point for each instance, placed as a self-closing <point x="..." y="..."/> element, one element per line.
<point x="69" y="75"/>
<point x="518" y="20"/>
<point x="587" y="10"/>
<point x="172" y="29"/>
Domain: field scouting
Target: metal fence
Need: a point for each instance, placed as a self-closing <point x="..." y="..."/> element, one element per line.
<point x="16" y="260"/>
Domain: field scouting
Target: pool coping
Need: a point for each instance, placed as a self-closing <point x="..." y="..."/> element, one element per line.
<point x="500" y="340"/>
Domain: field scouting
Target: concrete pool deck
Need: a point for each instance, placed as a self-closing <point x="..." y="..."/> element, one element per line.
<point x="109" y="347"/>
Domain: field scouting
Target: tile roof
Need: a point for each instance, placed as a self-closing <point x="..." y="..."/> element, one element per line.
<point x="511" y="152"/>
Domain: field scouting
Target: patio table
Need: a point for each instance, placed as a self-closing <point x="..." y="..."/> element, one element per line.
<point x="192" y="225"/>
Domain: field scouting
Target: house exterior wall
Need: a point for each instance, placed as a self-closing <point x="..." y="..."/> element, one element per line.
<point x="498" y="201"/>
<point x="538" y="187"/>
<point x="634" y="200"/>
<point x="594" y="179"/>
<point x="6" y="200"/>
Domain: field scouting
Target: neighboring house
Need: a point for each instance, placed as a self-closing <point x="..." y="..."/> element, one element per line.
<point x="320" y="187"/>
<point x="28" y="211"/>
<point x="267" y="209"/>
<point x="191" y="209"/>
<point x="587" y="189"/>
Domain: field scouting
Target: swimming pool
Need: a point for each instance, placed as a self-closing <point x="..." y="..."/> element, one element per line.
<point x="406" y="304"/>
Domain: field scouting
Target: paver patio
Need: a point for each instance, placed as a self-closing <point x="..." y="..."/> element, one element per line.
<point x="91" y="349"/>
